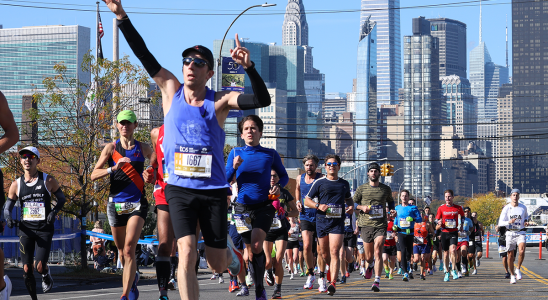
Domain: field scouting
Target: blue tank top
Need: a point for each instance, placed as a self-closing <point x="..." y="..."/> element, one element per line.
<point x="126" y="184"/>
<point x="309" y="214"/>
<point x="193" y="144"/>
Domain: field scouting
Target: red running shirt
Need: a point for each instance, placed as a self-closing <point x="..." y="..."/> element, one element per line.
<point x="389" y="241"/>
<point x="449" y="217"/>
<point x="161" y="176"/>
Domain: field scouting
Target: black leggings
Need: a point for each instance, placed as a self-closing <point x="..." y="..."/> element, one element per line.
<point x="30" y="240"/>
<point x="406" y="247"/>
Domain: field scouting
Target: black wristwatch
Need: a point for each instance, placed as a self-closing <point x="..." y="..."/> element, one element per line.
<point x="317" y="205"/>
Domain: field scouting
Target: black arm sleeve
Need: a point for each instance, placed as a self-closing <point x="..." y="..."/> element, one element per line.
<point x="60" y="200"/>
<point x="260" y="97"/>
<point x="138" y="46"/>
<point x="8" y="207"/>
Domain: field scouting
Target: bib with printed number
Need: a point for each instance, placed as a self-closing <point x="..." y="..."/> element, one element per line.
<point x="418" y="240"/>
<point x="462" y="235"/>
<point x="193" y="161"/>
<point x="333" y="211"/>
<point x="276" y="223"/>
<point x="34" y="211"/>
<point x="404" y="223"/>
<point x="389" y="235"/>
<point x="516" y="225"/>
<point x="450" y="223"/>
<point x="125" y="208"/>
<point x="347" y="222"/>
<point x="294" y="235"/>
<point x="376" y="211"/>
<point x="471" y="243"/>
<point x="243" y="222"/>
<point x="478" y="238"/>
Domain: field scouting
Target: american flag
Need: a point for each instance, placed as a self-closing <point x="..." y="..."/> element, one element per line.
<point x="100" y="34"/>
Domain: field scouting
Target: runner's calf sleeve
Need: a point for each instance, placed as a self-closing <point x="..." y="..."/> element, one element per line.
<point x="30" y="283"/>
<point x="138" y="46"/>
<point x="174" y="261"/>
<point x="260" y="97"/>
<point x="465" y="260"/>
<point x="259" y="263"/>
<point x="162" y="273"/>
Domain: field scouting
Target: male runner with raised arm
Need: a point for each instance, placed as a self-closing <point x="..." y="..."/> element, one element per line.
<point x="10" y="138"/>
<point x="193" y="147"/>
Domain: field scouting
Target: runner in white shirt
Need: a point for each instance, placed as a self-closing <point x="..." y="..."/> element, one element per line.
<point x="514" y="217"/>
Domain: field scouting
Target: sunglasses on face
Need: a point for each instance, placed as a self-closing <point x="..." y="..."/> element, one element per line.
<point x="28" y="156"/>
<point x="334" y="164"/>
<point x="197" y="61"/>
<point x="274" y="175"/>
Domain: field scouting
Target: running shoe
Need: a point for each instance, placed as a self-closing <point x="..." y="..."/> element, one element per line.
<point x="277" y="294"/>
<point x="343" y="280"/>
<point x="405" y="277"/>
<point x="434" y="268"/>
<point x="331" y="289"/>
<point x="269" y="277"/>
<point x="441" y="267"/>
<point x="507" y="276"/>
<point x="243" y="292"/>
<point x="221" y="279"/>
<point x="368" y="273"/>
<point x="237" y="265"/>
<point x="399" y="271"/>
<point x="518" y="274"/>
<point x="459" y="274"/>
<point x="291" y="276"/>
<point x="513" y="280"/>
<point x="375" y="287"/>
<point x="123" y="298"/>
<point x="386" y="274"/>
<point x="322" y="288"/>
<point x="134" y="292"/>
<point x="163" y="298"/>
<point x="171" y="284"/>
<point x="213" y="277"/>
<point x="411" y="276"/>
<point x="232" y="286"/>
<point x="262" y="296"/>
<point x="309" y="282"/>
<point x="446" y="277"/>
<point x="249" y="280"/>
<point x="467" y="273"/>
<point x="431" y="272"/>
<point x="302" y="274"/>
<point x="6" y="292"/>
<point x="390" y="277"/>
<point x="47" y="282"/>
<point x="475" y="272"/>
<point x="478" y="262"/>
<point x="455" y="275"/>
<point x="422" y="277"/>
<point x="347" y="274"/>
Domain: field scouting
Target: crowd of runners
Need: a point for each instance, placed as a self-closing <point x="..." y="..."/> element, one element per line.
<point x="252" y="226"/>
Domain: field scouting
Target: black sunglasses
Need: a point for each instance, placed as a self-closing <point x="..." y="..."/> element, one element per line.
<point x="28" y="156"/>
<point x="197" y="61"/>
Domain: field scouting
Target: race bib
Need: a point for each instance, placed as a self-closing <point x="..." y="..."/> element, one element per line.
<point x="126" y="208"/>
<point x="477" y="238"/>
<point x="404" y="223"/>
<point x="376" y="212"/>
<point x="450" y="223"/>
<point x="462" y="235"/>
<point x="470" y="243"/>
<point x="515" y="225"/>
<point x="347" y="222"/>
<point x="34" y="211"/>
<point x="242" y="222"/>
<point x="193" y="161"/>
<point x="389" y="235"/>
<point x="333" y="211"/>
<point x="276" y="224"/>
<point x="418" y="240"/>
<point x="294" y="235"/>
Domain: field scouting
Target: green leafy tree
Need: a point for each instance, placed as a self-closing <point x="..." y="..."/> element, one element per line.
<point x="488" y="207"/>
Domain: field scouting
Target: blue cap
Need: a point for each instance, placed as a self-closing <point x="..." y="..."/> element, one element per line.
<point x="515" y="191"/>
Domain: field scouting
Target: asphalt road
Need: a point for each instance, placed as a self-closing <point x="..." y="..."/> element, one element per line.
<point x="488" y="283"/>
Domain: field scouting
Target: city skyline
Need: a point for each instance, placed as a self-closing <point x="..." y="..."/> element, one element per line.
<point x="339" y="28"/>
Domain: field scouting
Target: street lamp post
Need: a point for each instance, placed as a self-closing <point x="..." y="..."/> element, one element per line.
<point x="222" y="42"/>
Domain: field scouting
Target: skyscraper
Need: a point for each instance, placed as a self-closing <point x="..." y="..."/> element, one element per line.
<point x="451" y="35"/>
<point x="28" y="55"/>
<point x="530" y="95"/>
<point x="459" y="107"/>
<point x="423" y="113"/>
<point x="295" y="27"/>
<point x="366" y="95"/>
<point x="386" y="14"/>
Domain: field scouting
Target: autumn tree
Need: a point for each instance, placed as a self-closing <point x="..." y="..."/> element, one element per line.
<point x="488" y="207"/>
<point x="75" y="120"/>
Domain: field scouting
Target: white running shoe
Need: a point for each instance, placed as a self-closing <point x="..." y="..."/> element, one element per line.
<point x="221" y="279"/>
<point x="475" y="272"/>
<point x="478" y="262"/>
<point x="513" y="279"/>
<point x="291" y="276"/>
<point x="6" y="292"/>
<point x="460" y="274"/>
<point x="518" y="274"/>
<point x="213" y="277"/>
<point x="323" y="287"/>
<point x="309" y="282"/>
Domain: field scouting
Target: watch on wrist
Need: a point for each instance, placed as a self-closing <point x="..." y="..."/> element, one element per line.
<point x="317" y="205"/>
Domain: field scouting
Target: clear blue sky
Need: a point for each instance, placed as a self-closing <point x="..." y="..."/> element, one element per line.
<point x="333" y="35"/>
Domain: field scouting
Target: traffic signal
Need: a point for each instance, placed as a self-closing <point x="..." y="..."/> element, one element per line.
<point x="384" y="170"/>
<point x="390" y="170"/>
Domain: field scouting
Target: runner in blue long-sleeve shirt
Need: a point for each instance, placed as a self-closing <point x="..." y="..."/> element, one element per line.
<point x="404" y="224"/>
<point x="253" y="210"/>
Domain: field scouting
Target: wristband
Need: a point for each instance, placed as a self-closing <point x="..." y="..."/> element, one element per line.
<point x="109" y="170"/>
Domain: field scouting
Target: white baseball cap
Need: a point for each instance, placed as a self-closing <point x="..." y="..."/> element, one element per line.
<point x="30" y="149"/>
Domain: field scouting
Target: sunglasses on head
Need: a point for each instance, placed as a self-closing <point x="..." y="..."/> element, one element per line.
<point x="197" y="61"/>
<point x="334" y="164"/>
<point x="28" y="156"/>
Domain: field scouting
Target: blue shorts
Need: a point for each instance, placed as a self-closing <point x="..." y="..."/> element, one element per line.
<point x="421" y="249"/>
<point x="236" y="237"/>
<point x="325" y="226"/>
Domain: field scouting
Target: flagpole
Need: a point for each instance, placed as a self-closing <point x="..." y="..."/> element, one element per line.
<point x="97" y="33"/>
